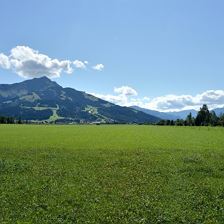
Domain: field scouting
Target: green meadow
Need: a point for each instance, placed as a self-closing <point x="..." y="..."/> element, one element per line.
<point x="111" y="174"/>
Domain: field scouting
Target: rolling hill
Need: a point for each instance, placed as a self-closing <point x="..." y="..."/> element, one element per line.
<point x="42" y="100"/>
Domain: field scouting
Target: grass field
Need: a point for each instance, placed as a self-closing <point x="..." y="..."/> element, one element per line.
<point x="111" y="174"/>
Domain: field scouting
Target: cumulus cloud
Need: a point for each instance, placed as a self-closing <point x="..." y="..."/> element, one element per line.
<point x="30" y="63"/>
<point x="98" y="67"/>
<point x="171" y="102"/>
<point x="4" y="61"/>
<point x="127" y="97"/>
<point x="122" y="96"/>
<point x="126" y="90"/>
<point x="80" y="64"/>
<point x="121" y="100"/>
<point x="213" y="98"/>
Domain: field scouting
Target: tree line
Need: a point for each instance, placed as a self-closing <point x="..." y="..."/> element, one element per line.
<point x="204" y="118"/>
<point x="10" y="120"/>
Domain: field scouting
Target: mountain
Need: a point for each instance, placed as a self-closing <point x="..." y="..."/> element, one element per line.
<point x="174" y="115"/>
<point x="183" y="114"/>
<point x="41" y="99"/>
<point x="162" y="115"/>
<point x="168" y="115"/>
<point x="219" y="111"/>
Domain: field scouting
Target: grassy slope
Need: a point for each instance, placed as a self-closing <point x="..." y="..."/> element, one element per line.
<point x="111" y="174"/>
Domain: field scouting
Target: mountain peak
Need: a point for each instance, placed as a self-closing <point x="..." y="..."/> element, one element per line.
<point x="43" y="79"/>
<point x="43" y="100"/>
<point x="41" y="83"/>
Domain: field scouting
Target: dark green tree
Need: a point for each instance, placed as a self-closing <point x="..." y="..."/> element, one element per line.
<point x="19" y="120"/>
<point x="203" y="116"/>
<point x="179" y="122"/>
<point x="189" y="119"/>
<point x="213" y="119"/>
<point x="221" y="120"/>
<point x="162" y="122"/>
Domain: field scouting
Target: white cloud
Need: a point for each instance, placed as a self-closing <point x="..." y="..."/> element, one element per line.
<point x="126" y="90"/>
<point x="4" y="61"/>
<point x="213" y="98"/>
<point x="116" y="99"/>
<point x="79" y="64"/>
<point x="124" y="97"/>
<point x="170" y="102"/>
<point x="29" y="63"/>
<point x="98" y="67"/>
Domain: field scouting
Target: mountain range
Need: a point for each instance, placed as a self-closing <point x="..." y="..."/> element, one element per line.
<point x="162" y="115"/>
<point x="42" y="100"/>
<point x="219" y="111"/>
<point x="175" y="115"/>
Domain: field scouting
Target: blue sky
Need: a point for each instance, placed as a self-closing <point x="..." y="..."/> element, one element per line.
<point x="160" y="49"/>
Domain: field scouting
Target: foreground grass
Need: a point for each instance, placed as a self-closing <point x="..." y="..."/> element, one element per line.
<point x="111" y="174"/>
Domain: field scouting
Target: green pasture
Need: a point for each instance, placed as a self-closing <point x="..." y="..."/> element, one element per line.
<point x="111" y="174"/>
